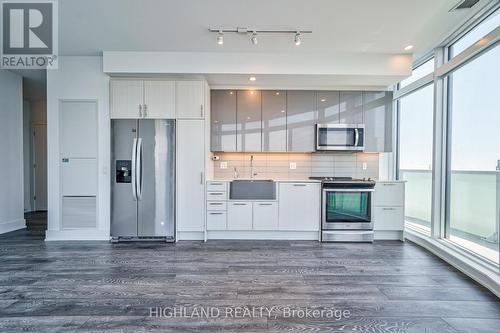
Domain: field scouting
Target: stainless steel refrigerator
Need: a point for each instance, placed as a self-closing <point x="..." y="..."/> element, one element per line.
<point x="143" y="180"/>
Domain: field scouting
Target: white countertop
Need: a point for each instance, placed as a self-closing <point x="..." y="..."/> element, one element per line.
<point x="276" y="180"/>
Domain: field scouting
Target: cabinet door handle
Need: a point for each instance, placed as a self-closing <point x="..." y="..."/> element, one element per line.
<point x="299" y="185"/>
<point x="215" y="204"/>
<point x="201" y="110"/>
<point x="216" y="184"/>
<point x="239" y="204"/>
<point x="201" y="178"/>
<point x="389" y="208"/>
<point x="388" y="184"/>
<point x="145" y="110"/>
<point x="265" y="204"/>
<point x="140" y="110"/>
<point x="216" y="193"/>
<point x="216" y="213"/>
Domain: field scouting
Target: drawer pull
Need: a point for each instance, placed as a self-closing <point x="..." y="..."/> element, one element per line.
<point x="239" y="204"/>
<point x="389" y="184"/>
<point x="216" y="184"/>
<point x="215" y="203"/>
<point x="265" y="204"/>
<point x="299" y="185"/>
<point x="216" y="213"/>
<point x="216" y="193"/>
<point x="389" y="208"/>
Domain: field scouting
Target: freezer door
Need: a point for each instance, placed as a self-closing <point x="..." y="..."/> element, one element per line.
<point x="156" y="161"/>
<point x="123" y="194"/>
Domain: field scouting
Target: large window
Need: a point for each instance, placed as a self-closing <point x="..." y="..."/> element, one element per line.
<point x="474" y="155"/>
<point x="419" y="72"/>
<point x="415" y="155"/>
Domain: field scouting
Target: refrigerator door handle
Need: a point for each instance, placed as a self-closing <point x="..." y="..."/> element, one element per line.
<point x="139" y="169"/>
<point x="134" y="171"/>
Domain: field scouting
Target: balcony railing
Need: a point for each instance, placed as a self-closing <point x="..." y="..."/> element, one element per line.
<point x="475" y="204"/>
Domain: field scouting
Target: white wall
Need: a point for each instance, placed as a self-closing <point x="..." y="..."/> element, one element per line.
<point x="78" y="78"/>
<point x="11" y="152"/>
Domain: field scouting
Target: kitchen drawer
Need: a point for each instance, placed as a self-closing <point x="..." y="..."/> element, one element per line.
<point x="388" y="218"/>
<point x="389" y="194"/>
<point x="216" y="220"/>
<point x="216" y="205"/>
<point x="217" y="186"/>
<point x="216" y="196"/>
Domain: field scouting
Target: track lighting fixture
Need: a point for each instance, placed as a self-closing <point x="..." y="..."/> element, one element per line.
<point x="254" y="38"/>
<point x="245" y="31"/>
<point x="297" y="39"/>
<point x="220" y="37"/>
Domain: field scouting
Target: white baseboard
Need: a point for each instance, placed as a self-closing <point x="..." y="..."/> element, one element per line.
<point x="480" y="273"/>
<point x="263" y="235"/>
<point x="9" y="226"/>
<point x="388" y="235"/>
<point x="190" y="235"/>
<point x="77" y="235"/>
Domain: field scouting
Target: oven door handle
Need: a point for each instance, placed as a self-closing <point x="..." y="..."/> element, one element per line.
<point x="348" y="190"/>
<point x="356" y="137"/>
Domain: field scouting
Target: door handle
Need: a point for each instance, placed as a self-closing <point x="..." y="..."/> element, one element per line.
<point x="140" y="110"/>
<point x="216" y="193"/>
<point x="201" y="110"/>
<point x="134" y="161"/>
<point x="356" y="137"/>
<point x="215" y="204"/>
<point x="299" y="185"/>
<point x="201" y="178"/>
<point x="145" y="108"/>
<point x="239" y="204"/>
<point x="216" y="213"/>
<point x="139" y="169"/>
<point x="265" y="204"/>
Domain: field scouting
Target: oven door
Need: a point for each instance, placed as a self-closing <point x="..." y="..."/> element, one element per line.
<point x="347" y="209"/>
<point x="340" y="137"/>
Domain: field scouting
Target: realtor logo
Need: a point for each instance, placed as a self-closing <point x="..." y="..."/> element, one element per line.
<point x="29" y="34"/>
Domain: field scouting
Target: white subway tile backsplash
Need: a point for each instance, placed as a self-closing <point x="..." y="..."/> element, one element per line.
<point x="277" y="165"/>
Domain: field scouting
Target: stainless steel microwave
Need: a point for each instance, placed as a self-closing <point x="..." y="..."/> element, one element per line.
<point x="340" y="137"/>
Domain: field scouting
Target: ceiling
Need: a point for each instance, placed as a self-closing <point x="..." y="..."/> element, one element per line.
<point x="339" y="26"/>
<point x="383" y="26"/>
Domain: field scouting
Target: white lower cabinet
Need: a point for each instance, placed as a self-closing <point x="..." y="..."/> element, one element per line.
<point x="216" y="220"/>
<point x="239" y="216"/>
<point x="388" y="210"/>
<point x="299" y="206"/>
<point x="389" y="218"/>
<point x="265" y="216"/>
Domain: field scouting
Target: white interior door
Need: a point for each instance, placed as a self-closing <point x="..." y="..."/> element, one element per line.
<point x="40" y="166"/>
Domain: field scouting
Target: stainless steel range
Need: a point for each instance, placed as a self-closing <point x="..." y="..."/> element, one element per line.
<point x="346" y="209"/>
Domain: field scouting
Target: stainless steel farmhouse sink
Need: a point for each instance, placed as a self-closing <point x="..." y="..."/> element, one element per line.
<point x="250" y="189"/>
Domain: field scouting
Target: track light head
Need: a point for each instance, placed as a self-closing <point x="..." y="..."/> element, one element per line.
<point x="220" y="38"/>
<point x="297" y="39"/>
<point x="254" y="38"/>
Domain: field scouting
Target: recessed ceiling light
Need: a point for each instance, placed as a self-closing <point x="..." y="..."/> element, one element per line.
<point x="323" y="100"/>
<point x="252" y="78"/>
<point x="408" y="48"/>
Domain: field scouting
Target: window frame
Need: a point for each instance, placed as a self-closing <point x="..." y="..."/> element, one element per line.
<point x="444" y="66"/>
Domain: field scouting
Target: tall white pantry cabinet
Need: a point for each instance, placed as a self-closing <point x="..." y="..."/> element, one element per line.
<point x="186" y="101"/>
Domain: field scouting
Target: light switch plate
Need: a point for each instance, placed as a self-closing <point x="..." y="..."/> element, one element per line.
<point x="364" y="166"/>
<point x="223" y="165"/>
<point x="293" y="166"/>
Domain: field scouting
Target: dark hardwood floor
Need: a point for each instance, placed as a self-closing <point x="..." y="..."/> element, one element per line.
<point x="103" y="287"/>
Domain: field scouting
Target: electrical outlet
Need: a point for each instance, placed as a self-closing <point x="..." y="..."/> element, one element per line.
<point x="364" y="166"/>
<point x="223" y="165"/>
<point x="293" y="166"/>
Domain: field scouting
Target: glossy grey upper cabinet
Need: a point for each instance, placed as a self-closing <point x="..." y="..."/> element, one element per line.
<point x="248" y="121"/>
<point x="223" y="120"/>
<point x="274" y="121"/>
<point x="378" y="121"/>
<point x="328" y="106"/>
<point x="351" y="107"/>
<point x="301" y="120"/>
